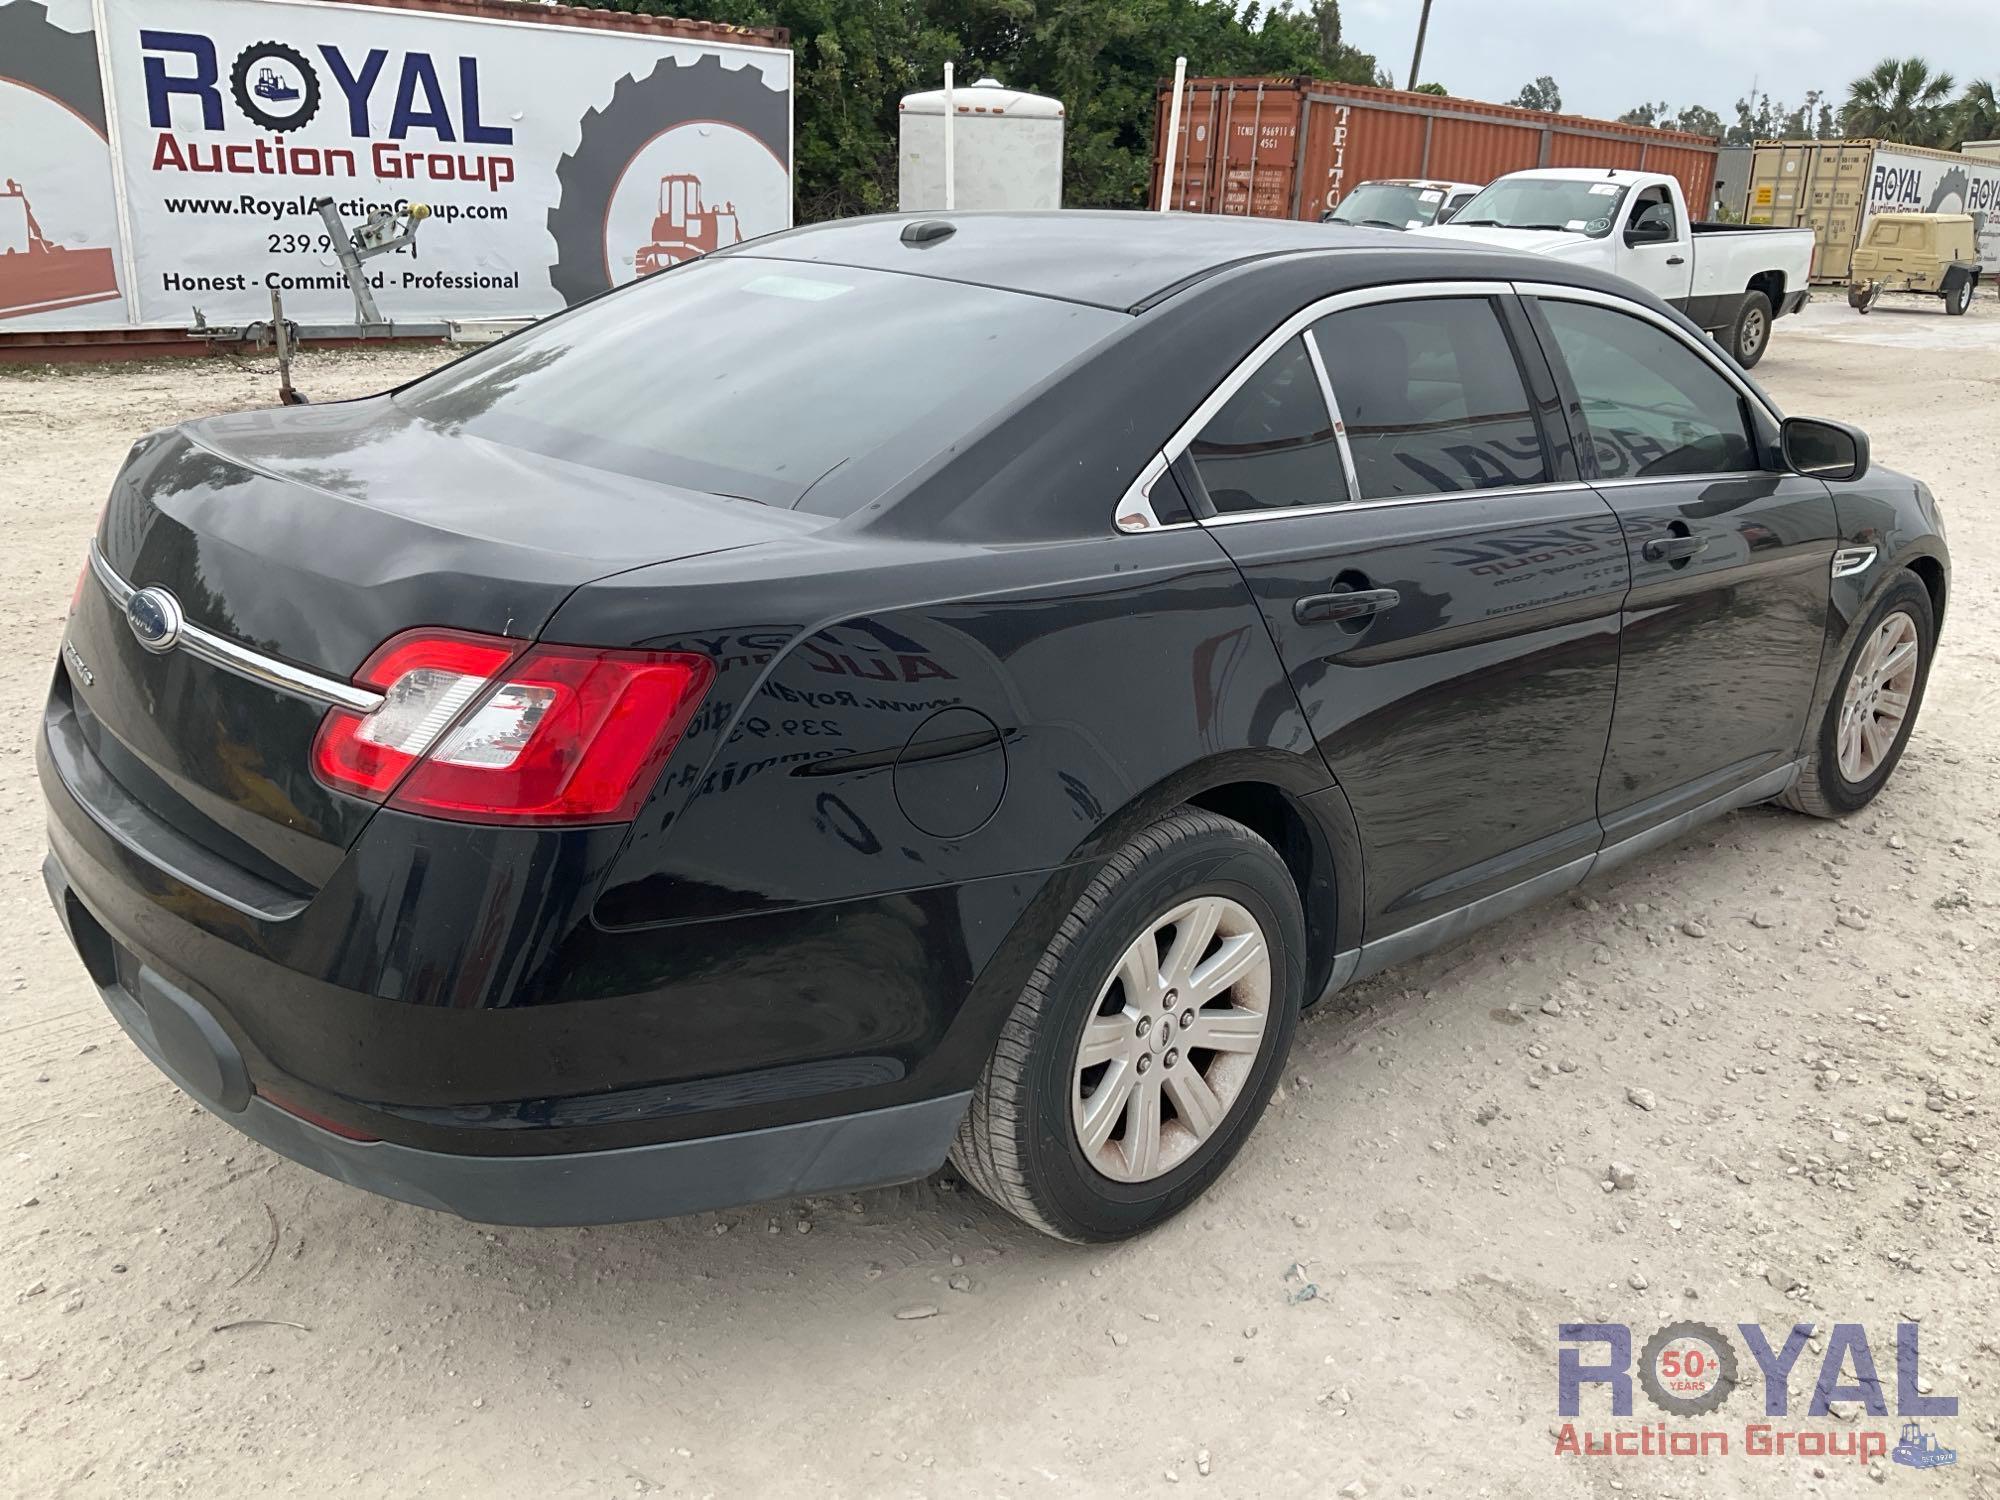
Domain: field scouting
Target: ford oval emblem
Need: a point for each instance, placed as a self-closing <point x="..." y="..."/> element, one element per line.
<point x="156" y="619"/>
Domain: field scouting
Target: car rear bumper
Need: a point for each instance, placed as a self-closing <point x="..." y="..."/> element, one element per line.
<point x="659" y="1180"/>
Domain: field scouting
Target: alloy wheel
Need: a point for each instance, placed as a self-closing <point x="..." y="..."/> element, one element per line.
<point x="1173" y="1040"/>
<point x="1877" y="701"/>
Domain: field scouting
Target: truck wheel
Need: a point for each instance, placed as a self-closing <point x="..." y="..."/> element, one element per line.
<point x="1148" y="1038"/>
<point x="1750" y="334"/>
<point x="1959" y="298"/>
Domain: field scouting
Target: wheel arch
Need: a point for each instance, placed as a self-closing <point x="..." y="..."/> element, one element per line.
<point x="1771" y="284"/>
<point x="1294" y="805"/>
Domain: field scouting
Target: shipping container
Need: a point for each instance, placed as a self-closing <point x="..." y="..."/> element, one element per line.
<point x="1290" y="148"/>
<point x="1834" y="186"/>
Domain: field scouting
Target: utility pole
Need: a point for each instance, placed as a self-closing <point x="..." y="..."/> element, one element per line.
<point x="1417" y="57"/>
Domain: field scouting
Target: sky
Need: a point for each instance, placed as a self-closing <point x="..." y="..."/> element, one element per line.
<point x="1607" y="56"/>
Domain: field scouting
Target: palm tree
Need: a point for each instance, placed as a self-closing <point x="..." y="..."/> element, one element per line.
<point x="1978" y="112"/>
<point x="1901" y="99"/>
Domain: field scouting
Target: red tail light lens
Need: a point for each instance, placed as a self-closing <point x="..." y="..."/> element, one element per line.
<point x="488" y="730"/>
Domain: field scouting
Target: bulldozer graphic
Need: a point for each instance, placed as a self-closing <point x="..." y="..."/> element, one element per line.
<point x="270" y="86"/>
<point x="38" y="275"/>
<point x="685" y="229"/>
<point x="1917" y="1449"/>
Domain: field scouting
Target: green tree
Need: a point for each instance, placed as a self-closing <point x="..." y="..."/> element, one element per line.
<point x="1978" y="113"/>
<point x="1432" y="88"/>
<point x="1697" y="119"/>
<point x="1541" y="94"/>
<point x="1901" y="99"/>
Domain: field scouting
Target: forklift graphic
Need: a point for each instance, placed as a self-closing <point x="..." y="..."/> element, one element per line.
<point x="1917" y="1449"/>
<point x="270" y="86"/>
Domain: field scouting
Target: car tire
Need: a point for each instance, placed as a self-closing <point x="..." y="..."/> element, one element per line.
<point x="1833" y="783"/>
<point x="1023" y="1143"/>
<point x="1750" y="330"/>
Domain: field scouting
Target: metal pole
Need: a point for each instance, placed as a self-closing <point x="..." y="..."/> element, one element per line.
<point x="1417" y="57"/>
<point x="1173" y="134"/>
<point x="950" y="177"/>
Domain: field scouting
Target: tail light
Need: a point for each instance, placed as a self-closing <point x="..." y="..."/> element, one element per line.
<point x="485" y="729"/>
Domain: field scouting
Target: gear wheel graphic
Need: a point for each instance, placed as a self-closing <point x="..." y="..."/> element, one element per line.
<point x="642" y="109"/>
<point x="240" y="85"/>
<point x="1715" y="1341"/>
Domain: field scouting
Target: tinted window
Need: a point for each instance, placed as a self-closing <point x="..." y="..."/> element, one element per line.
<point x="758" y="378"/>
<point x="1654" y="405"/>
<point x="1655" y="208"/>
<point x="1272" y="445"/>
<point x="1432" y="398"/>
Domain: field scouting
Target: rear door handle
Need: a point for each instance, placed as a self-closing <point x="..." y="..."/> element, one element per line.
<point x="1318" y="609"/>
<point x="1673" y="548"/>
<point x="1677" y="260"/>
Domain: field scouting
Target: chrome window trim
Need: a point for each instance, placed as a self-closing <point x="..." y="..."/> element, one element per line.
<point x="1388" y="502"/>
<point x="1340" y="442"/>
<point x="1703" y="347"/>
<point x="1297" y="323"/>
<point x="218" y="651"/>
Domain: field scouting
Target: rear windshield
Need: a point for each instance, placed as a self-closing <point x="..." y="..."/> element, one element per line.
<point x="759" y="378"/>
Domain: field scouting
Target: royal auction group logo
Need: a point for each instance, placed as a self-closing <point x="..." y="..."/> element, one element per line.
<point x="1691" y="1370"/>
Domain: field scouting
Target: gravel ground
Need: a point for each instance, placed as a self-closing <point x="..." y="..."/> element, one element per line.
<point x="1803" y="1013"/>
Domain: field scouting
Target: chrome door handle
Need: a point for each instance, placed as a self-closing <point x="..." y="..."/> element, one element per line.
<point x="1318" y="609"/>
<point x="1673" y="548"/>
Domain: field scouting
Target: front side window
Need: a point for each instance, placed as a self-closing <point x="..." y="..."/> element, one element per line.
<point x="1272" y="446"/>
<point x="1654" y="406"/>
<point x="1432" y="398"/>
<point x="1655" y="210"/>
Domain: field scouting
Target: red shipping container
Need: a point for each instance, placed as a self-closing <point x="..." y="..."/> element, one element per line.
<point x="1289" y="148"/>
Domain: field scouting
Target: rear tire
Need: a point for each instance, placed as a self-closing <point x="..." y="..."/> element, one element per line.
<point x="1958" y="300"/>
<point x="1026" y="1143"/>
<point x="1826" y="787"/>
<point x="1750" y="331"/>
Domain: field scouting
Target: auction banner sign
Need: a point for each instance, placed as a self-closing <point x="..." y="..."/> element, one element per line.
<point x="162" y="158"/>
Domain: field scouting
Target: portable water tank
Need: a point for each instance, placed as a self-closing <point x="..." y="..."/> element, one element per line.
<point x="1006" y="149"/>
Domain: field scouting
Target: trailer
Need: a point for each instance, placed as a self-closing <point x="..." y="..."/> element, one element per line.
<point x="1836" y="187"/>
<point x="1292" y="148"/>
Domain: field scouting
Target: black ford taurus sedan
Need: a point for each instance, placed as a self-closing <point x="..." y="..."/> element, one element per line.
<point x="905" y="689"/>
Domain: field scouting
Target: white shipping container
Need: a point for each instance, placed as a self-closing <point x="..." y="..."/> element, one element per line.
<point x="1007" y="149"/>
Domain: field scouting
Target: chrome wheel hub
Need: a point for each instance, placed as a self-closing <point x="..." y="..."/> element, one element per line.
<point x="1878" y="695"/>
<point x="1173" y="1040"/>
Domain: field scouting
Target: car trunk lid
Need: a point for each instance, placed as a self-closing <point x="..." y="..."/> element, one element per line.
<point x="310" y="536"/>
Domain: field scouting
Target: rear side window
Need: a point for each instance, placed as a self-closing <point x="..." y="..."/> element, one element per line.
<point x="759" y="378"/>
<point x="1272" y="446"/>
<point x="1432" y="398"/>
<point x="1655" y="407"/>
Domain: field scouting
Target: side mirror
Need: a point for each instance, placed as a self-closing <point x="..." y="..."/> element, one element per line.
<point x="1820" y="449"/>
<point x="1648" y="232"/>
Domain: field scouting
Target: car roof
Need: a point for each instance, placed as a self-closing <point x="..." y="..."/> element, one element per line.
<point x="1123" y="261"/>
<point x="1622" y="175"/>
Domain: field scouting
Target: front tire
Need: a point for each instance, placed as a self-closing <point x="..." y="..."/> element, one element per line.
<point x="1873" y="707"/>
<point x="1102" y="1112"/>
<point x="1750" y="332"/>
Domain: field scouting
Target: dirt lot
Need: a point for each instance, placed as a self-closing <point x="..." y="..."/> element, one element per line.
<point x="1805" y="1012"/>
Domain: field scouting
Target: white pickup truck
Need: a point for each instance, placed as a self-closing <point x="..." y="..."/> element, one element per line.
<point x="1729" y="279"/>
